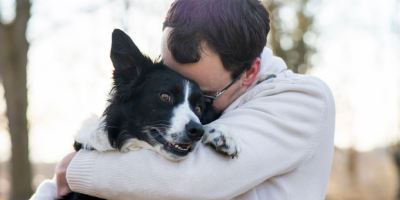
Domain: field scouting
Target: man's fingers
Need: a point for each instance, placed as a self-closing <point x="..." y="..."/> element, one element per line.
<point x="61" y="173"/>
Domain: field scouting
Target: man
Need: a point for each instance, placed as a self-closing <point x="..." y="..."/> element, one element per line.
<point x="285" y="124"/>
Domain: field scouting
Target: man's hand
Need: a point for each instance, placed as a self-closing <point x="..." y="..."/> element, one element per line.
<point x="61" y="173"/>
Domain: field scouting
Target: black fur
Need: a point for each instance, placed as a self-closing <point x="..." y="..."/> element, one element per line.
<point x="136" y="109"/>
<point x="78" y="196"/>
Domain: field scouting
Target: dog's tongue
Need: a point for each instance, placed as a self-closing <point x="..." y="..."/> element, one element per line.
<point x="169" y="145"/>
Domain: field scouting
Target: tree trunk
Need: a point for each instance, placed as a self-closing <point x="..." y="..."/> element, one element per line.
<point x="275" y="33"/>
<point x="13" y="61"/>
<point x="295" y="58"/>
<point x="352" y="169"/>
<point x="396" y="156"/>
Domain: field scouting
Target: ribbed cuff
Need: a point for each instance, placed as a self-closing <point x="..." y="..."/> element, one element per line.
<point x="80" y="170"/>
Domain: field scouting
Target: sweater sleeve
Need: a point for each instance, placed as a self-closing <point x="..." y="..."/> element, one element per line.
<point x="278" y="126"/>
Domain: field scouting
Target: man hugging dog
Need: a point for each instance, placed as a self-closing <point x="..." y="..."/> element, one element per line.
<point x="285" y="124"/>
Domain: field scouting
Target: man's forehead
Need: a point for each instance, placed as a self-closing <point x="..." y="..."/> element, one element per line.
<point x="209" y="72"/>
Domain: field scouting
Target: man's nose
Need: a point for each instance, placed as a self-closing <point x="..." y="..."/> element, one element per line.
<point x="194" y="130"/>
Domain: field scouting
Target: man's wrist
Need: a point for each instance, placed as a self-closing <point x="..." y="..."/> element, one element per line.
<point x="80" y="170"/>
<point x="61" y="173"/>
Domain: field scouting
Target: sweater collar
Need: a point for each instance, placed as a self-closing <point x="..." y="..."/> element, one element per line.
<point x="270" y="64"/>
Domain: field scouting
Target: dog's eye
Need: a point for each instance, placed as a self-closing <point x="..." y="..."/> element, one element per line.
<point x="198" y="110"/>
<point x="165" y="97"/>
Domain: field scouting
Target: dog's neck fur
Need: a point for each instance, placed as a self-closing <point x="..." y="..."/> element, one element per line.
<point x="93" y="135"/>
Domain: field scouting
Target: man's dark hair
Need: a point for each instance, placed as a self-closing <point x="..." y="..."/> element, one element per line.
<point x="235" y="29"/>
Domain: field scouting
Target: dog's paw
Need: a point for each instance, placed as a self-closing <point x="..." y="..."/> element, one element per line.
<point x="219" y="138"/>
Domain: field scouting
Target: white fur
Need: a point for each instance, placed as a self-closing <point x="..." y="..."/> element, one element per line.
<point x="182" y="114"/>
<point x="224" y="140"/>
<point x="93" y="135"/>
<point x="135" y="144"/>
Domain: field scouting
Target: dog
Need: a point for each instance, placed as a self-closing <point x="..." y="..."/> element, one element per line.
<point x="152" y="107"/>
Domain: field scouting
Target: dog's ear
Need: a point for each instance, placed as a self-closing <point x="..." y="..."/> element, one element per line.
<point x="127" y="59"/>
<point x="209" y="114"/>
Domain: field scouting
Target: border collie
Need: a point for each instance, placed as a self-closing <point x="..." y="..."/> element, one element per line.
<point x="152" y="107"/>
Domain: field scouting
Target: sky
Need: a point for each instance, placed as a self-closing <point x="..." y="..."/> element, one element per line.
<point x="69" y="69"/>
<point x="359" y="58"/>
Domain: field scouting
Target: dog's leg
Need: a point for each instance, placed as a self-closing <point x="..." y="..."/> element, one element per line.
<point x="219" y="137"/>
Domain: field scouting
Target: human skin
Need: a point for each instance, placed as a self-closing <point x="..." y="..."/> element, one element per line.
<point x="61" y="172"/>
<point x="208" y="72"/>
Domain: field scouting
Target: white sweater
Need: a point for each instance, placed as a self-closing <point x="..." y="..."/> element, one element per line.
<point x="286" y="129"/>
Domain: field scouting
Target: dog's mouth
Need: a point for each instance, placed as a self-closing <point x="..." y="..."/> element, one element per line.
<point x="177" y="149"/>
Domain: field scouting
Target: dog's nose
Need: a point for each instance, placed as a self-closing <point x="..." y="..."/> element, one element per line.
<point x="194" y="130"/>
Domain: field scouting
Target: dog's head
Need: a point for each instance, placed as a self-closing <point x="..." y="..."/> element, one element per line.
<point x="152" y="106"/>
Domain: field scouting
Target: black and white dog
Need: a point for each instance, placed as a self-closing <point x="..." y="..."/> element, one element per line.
<point x="152" y="107"/>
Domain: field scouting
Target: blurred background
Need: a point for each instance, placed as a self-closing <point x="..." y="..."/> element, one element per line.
<point x="55" y="70"/>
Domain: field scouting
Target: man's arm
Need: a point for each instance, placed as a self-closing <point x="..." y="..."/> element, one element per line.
<point x="48" y="189"/>
<point x="279" y="128"/>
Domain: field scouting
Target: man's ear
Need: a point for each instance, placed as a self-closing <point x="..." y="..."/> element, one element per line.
<point x="251" y="74"/>
<point x="127" y="59"/>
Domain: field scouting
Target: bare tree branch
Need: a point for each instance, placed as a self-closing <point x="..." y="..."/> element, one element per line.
<point x="21" y="19"/>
